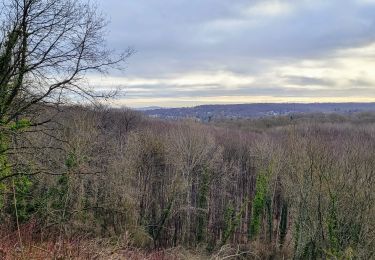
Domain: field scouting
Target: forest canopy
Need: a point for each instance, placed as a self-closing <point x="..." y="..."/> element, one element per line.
<point x="97" y="182"/>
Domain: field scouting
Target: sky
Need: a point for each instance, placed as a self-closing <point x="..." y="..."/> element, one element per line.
<point x="192" y="52"/>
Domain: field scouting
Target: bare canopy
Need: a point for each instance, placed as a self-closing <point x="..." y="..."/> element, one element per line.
<point x="46" y="49"/>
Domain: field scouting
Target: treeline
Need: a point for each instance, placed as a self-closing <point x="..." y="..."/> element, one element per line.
<point x="268" y="122"/>
<point x="300" y="190"/>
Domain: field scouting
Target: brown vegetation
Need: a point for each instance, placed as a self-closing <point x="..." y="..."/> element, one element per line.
<point x="95" y="182"/>
<point x="301" y="190"/>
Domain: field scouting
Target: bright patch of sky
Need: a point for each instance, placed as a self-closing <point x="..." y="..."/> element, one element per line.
<point x="218" y="51"/>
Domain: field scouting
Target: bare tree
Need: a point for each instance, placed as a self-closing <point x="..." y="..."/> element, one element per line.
<point x="47" y="48"/>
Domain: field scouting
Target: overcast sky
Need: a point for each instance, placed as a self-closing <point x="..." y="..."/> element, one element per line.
<point x="191" y="52"/>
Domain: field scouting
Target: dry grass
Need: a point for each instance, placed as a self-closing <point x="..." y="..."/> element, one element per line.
<point x="28" y="245"/>
<point x="79" y="250"/>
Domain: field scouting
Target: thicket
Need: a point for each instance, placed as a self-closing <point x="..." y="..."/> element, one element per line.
<point x="302" y="191"/>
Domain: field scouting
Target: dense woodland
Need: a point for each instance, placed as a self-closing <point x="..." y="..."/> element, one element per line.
<point x="301" y="190"/>
<point x="94" y="182"/>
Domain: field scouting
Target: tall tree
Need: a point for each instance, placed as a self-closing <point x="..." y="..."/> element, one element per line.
<point x="47" y="47"/>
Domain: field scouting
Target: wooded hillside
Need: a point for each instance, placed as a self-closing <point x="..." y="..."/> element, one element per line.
<point x="303" y="190"/>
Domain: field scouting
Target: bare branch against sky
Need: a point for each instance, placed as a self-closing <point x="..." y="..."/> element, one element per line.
<point x="218" y="51"/>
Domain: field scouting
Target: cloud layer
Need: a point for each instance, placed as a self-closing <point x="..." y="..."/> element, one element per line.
<point x="219" y="51"/>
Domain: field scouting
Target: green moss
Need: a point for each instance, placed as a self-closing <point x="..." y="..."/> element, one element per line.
<point x="24" y="200"/>
<point x="333" y="228"/>
<point x="232" y="220"/>
<point x="5" y="168"/>
<point x="202" y="205"/>
<point x="258" y="204"/>
<point x="20" y="125"/>
<point x="71" y="160"/>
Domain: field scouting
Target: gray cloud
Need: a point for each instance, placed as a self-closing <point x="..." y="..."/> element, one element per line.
<point x="362" y="83"/>
<point x="173" y="37"/>
<point x="302" y="81"/>
<point x="259" y="90"/>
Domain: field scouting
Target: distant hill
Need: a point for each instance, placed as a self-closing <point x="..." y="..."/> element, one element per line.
<point x="208" y="112"/>
<point x="147" y="108"/>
